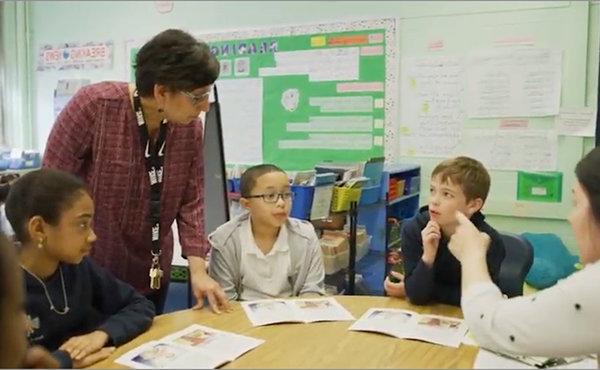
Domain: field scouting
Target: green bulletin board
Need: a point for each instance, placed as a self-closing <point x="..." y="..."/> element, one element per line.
<point x="275" y="115"/>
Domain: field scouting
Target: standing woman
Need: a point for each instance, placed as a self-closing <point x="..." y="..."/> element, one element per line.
<point x="139" y="149"/>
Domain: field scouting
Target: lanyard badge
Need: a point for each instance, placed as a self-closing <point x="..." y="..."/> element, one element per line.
<point x="154" y="157"/>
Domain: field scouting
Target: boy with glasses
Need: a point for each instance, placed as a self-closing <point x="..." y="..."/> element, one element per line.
<point x="263" y="253"/>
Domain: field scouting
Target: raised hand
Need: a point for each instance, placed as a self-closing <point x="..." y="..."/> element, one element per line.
<point x="431" y="235"/>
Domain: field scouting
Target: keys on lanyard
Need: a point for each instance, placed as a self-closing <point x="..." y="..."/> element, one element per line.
<point x="156" y="273"/>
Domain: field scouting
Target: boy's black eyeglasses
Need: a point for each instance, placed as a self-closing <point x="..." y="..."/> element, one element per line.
<point x="273" y="197"/>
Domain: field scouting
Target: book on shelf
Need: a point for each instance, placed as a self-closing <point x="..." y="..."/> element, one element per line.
<point x="343" y="170"/>
<point x="373" y="170"/>
<point x="304" y="178"/>
<point x="274" y="311"/>
<point x="405" y="324"/>
<point x="325" y="178"/>
<point x="195" y="347"/>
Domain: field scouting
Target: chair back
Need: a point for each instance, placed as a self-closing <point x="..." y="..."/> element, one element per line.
<point x="516" y="264"/>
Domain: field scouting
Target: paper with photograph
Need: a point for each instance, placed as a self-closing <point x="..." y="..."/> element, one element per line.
<point x="195" y="347"/>
<point x="272" y="311"/>
<point x="447" y="331"/>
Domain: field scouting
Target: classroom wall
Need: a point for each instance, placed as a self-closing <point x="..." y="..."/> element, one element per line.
<point x="64" y="21"/>
<point x="561" y="227"/>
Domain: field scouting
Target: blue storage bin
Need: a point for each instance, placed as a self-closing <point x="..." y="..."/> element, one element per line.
<point x="303" y="198"/>
<point x="4" y="159"/>
<point x="370" y="195"/>
<point x="16" y="163"/>
<point x="235" y="185"/>
<point x="32" y="159"/>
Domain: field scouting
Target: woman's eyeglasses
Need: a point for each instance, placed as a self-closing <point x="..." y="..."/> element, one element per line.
<point x="197" y="99"/>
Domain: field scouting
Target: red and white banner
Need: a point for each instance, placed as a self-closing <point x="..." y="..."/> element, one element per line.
<point x="91" y="55"/>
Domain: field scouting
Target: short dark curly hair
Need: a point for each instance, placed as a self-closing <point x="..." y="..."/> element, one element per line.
<point x="177" y="60"/>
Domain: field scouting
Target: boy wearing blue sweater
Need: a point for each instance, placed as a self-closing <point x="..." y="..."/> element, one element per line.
<point x="432" y="274"/>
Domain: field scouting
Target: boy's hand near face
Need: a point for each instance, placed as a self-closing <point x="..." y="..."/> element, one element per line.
<point x="431" y="235"/>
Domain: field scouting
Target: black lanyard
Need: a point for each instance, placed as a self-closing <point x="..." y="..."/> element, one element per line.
<point x="154" y="156"/>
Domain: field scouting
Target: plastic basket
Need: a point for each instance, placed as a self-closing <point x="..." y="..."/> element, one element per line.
<point x="303" y="198"/>
<point x="342" y="197"/>
<point x="235" y="185"/>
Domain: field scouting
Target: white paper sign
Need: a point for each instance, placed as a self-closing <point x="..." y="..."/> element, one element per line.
<point x="432" y="109"/>
<point x="576" y="122"/>
<point x="522" y="82"/>
<point x="532" y="150"/>
<point x="241" y="114"/>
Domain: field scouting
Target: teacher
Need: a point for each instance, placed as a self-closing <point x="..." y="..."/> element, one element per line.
<point x="139" y="149"/>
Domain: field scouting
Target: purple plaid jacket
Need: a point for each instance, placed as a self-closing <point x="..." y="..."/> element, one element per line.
<point x="96" y="138"/>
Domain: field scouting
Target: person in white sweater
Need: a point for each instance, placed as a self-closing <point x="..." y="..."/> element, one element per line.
<point x="559" y="321"/>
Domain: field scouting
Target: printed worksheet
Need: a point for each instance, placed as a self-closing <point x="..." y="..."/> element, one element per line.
<point x="272" y="311"/>
<point x="195" y="347"/>
<point x="447" y="331"/>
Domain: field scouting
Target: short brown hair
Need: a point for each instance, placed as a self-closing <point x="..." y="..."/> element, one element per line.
<point x="466" y="172"/>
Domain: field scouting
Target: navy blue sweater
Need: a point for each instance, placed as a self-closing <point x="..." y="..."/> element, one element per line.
<point x="441" y="282"/>
<point x="97" y="301"/>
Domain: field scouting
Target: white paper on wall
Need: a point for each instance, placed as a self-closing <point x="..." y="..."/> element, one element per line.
<point x="532" y="150"/>
<point x="523" y="82"/>
<point x="432" y="110"/>
<point x="576" y="121"/>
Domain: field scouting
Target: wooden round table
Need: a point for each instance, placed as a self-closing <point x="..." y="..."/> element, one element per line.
<point x="318" y="345"/>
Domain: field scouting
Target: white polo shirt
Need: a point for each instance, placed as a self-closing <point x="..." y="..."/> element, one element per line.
<point x="265" y="276"/>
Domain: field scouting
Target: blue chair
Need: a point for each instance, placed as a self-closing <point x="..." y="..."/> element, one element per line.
<point x="516" y="264"/>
